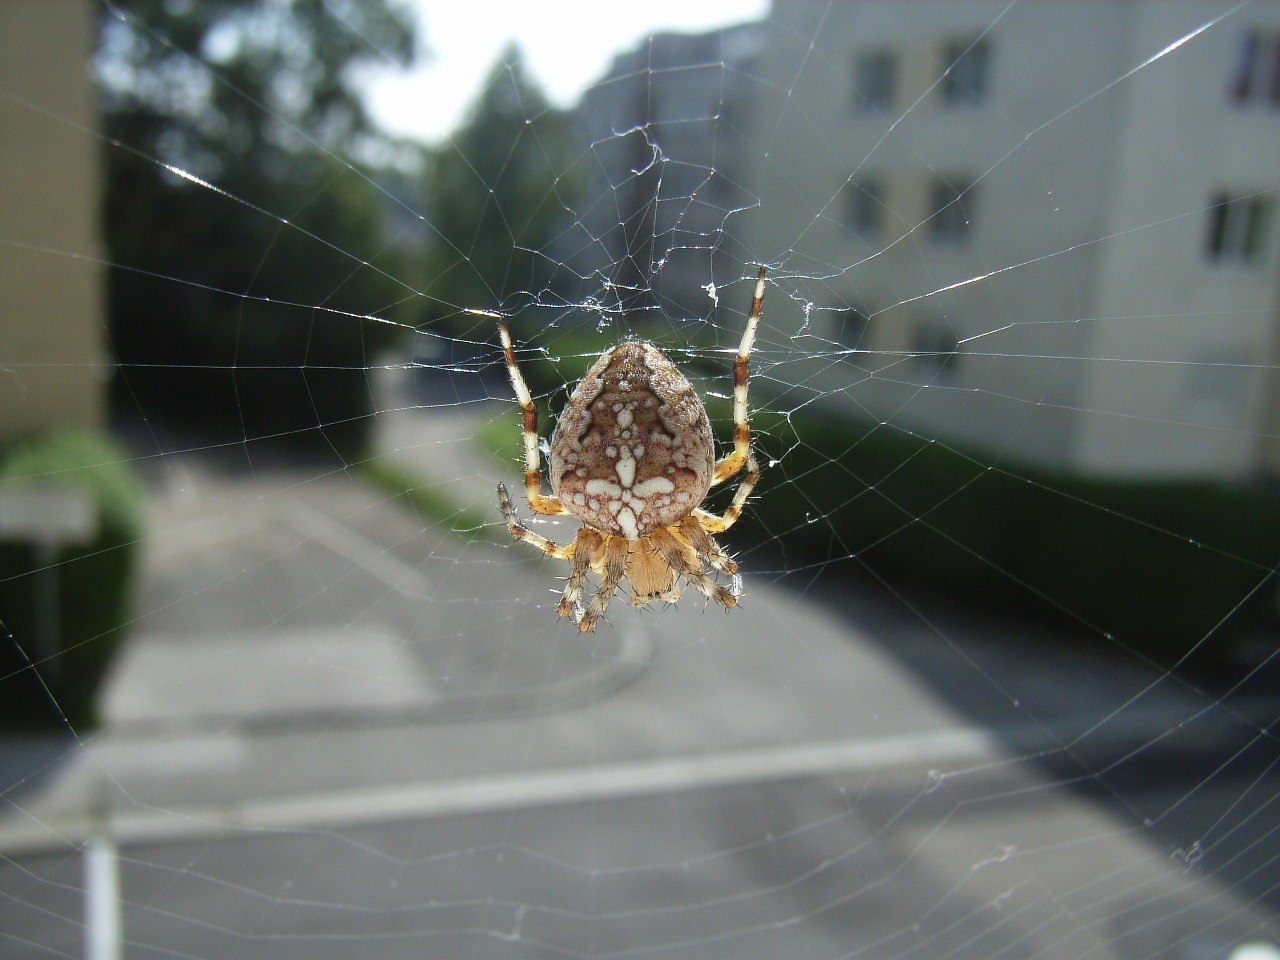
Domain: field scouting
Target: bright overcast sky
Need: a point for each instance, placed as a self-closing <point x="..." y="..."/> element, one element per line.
<point x="567" y="45"/>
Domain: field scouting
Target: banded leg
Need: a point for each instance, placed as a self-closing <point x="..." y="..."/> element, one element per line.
<point x="529" y="422"/>
<point x="690" y="530"/>
<point x="613" y="564"/>
<point x="713" y="524"/>
<point x="732" y="463"/>
<point x="681" y="558"/>
<point x="521" y="532"/>
<point x="586" y="548"/>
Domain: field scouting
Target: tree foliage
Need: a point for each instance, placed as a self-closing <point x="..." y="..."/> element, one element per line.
<point x="249" y="251"/>
<point x="496" y="197"/>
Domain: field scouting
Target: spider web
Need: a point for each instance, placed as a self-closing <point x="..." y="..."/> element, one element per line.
<point x="994" y="386"/>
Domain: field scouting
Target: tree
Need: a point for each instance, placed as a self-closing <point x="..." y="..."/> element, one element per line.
<point x="249" y="251"/>
<point x="495" y="197"/>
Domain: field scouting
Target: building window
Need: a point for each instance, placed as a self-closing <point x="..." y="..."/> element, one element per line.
<point x="852" y="325"/>
<point x="864" y="207"/>
<point x="935" y="350"/>
<point x="1237" y="228"/>
<point x="1257" y="74"/>
<point x="966" y="65"/>
<point x="874" y="78"/>
<point x="949" y="221"/>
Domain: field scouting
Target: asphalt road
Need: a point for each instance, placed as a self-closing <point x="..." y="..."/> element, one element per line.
<point x="999" y="864"/>
<point x="340" y="730"/>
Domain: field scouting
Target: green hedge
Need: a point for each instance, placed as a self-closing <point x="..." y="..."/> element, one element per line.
<point x="1156" y="566"/>
<point x="1164" y="568"/>
<point x="399" y="480"/>
<point x="93" y="580"/>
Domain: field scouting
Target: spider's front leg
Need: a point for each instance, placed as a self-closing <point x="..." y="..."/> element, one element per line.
<point x="550" y="506"/>
<point x="713" y="524"/>
<point x="521" y="532"/>
<point x="733" y="462"/>
<point x="587" y="551"/>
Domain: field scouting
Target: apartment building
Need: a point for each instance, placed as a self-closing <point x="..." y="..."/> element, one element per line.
<point x="1046" y="231"/>
<point x="52" y="354"/>
<point x="664" y="160"/>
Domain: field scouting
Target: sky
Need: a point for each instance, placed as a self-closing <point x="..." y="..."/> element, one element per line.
<point x="567" y="45"/>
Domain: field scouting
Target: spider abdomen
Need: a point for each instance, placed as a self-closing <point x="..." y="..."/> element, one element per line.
<point x="632" y="450"/>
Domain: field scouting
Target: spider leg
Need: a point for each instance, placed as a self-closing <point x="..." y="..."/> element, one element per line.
<point x="550" y="506"/>
<point x="681" y="558"/>
<point x="732" y="463"/>
<point x="612" y="566"/>
<point x="521" y="532"/>
<point x="587" y="548"/>
<point x="713" y="524"/>
<point x="690" y="530"/>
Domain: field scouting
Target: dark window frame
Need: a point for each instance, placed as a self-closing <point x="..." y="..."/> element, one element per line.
<point x="966" y="76"/>
<point x="1256" y="78"/>
<point x="1238" y="227"/>
<point x="950" y="221"/>
<point x="875" y="81"/>
<point x="864" y="207"/>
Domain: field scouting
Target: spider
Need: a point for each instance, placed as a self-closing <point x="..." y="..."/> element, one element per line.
<point x="632" y="458"/>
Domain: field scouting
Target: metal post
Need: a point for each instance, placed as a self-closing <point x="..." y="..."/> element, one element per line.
<point x="103" y="921"/>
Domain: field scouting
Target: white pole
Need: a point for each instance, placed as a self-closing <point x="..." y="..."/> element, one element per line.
<point x="103" y="926"/>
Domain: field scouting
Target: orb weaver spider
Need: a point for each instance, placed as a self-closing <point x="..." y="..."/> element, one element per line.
<point x="632" y="457"/>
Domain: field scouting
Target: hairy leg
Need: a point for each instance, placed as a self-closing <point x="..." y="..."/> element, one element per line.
<point x="613" y="565"/>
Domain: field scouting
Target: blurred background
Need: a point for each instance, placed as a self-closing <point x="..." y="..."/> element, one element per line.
<point x="274" y="679"/>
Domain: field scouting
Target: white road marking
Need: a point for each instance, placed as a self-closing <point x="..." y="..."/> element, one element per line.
<point x="371" y="804"/>
<point x="916" y="756"/>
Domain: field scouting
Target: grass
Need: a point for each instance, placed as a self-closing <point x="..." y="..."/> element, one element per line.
<point x="399" y="481"/>
<point x="501" y="439"/>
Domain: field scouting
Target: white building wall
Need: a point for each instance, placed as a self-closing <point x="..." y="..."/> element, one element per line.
<point x="1181" y="386"/>
<point x="1091" y="327"/>
<point x="1025" y="274"/>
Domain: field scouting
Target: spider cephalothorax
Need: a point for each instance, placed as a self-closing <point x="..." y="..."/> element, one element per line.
<point x="632" y="457"/>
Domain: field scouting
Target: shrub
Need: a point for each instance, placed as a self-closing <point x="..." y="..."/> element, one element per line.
<point x="93" y="579"/>
<point x="1166" y="568"/>
<point x="1156" y="565"/>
